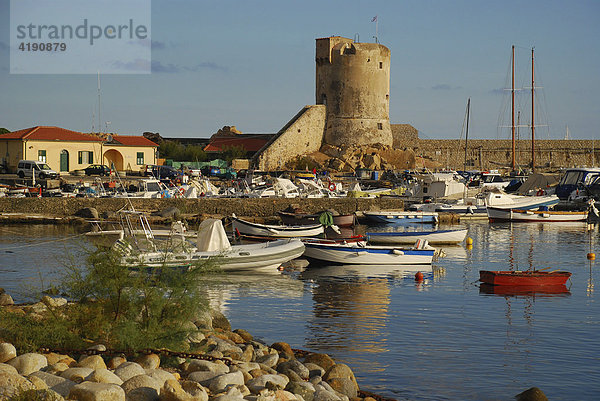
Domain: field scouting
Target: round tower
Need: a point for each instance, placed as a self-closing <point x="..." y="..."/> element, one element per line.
<point x="353" y="82"/>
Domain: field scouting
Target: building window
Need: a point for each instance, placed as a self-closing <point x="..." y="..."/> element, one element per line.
<point x="42" y="156"/>
<point x="140" y="158"/>
<point x="379" y="126"/>
<point x="381" y="65"/>
<point x="85" y="157"/>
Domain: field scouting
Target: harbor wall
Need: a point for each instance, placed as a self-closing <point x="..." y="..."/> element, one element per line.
<point x="260" y="207"/>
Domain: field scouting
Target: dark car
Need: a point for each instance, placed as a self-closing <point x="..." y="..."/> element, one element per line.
<point x="162" y="172"/>
<point x="96" y="169"/>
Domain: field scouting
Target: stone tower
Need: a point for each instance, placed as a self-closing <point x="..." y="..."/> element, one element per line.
<point x="353" y="82"/>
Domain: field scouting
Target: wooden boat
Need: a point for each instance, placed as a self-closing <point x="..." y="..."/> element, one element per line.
<point x="410" y="237"/>
<point x="402" y="217"/>
<point x="291" y="218"/>
<point x="501" y="214"/>
<point x="244" y="227"/>
<point x="524" y="277"/>
<point x="361" y="254"/>
<point x="212" y="245"/>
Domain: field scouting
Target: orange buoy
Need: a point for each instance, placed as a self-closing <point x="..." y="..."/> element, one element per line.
<point x="469" y="241"/>
<point x="591" y="256"/>
<point x="419" y="276"/>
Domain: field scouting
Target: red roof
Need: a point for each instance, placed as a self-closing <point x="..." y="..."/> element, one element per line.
<point x="253" y="144"/>
<point x="50" y="134"/>
<point x="130" y="140"/>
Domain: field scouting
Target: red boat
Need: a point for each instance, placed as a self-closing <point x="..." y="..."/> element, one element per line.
<point x="525" y="290"/>
<point x="524" y="277"/>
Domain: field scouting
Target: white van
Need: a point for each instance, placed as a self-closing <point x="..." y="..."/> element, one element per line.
<point x="25" y="168"/>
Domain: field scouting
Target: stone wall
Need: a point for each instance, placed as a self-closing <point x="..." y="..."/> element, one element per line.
<point x="303" y="134"/>
<point x="265" y="207"/>
<point x="483" y="154"/>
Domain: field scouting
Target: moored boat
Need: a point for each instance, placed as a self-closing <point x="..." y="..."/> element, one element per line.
<point x="410" y="237"/>
<point x="274" y="231"/>
<point x="524" y="277"/>
<point x="402" y="217"/>
<point x="502" y="214"/>
<point x="293" y="218"/>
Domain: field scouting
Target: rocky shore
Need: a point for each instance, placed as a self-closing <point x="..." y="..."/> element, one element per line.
<point x="233" y="366"/>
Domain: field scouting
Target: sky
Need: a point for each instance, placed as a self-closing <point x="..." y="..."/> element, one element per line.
<point x="251" y="64"/>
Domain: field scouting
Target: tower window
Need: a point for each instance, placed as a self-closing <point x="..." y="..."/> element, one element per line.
<point x="381" y="65"/>
<point x="379" y="126"/>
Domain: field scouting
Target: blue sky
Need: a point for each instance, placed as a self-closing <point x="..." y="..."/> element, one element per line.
<point x="251" y="64"/>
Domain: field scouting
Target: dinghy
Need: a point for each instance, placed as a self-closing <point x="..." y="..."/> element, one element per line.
<point x="247" y="228"/>
<point x="410" y="237"/>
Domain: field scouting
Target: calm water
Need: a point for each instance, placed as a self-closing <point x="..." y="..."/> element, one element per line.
<point x="439" y="340"/>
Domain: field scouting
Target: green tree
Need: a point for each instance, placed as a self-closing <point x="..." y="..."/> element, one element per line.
<point x="4" y="131"/>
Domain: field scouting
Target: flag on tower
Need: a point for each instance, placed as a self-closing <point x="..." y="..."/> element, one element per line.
<point x="374" y="19"/>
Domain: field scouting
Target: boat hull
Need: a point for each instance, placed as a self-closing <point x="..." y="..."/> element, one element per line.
<point x="343" y="220"/>
<point x="353" y="254"/>
<point x="275" y="231"/>
<point x="500" y="214"/>
<point x="433" y="237"/>
<point x="524" y="278"/>
<point x="404" y="217"/>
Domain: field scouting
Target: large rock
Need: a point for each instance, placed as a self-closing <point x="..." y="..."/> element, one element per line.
<point x="6" y="300"/>
<point x="53" y="302"/>
<point x="92" y="362"/>
<point x="56" y="383"/>
<point x="295" y="366"/>
<point x="104" y="376"/>
<point x="160" y="375"/>
<point x="195" y="389"/>
<point x="127" y="370"/>
<point x="339" y="371"/>
<point x="89" y="391"/>
<point x="202" y="377"/>
<point x="200" y="365"/>
<point x="142" y="381"/>
<point x="247" y="337"/>
<point x="323" y="360"/>
<point x="344" y="386"/>
<point x="532" y="394"/>
<point x="277" y="381"/>
<point x="10" y="384"/>
<point x="76" y="374"/>
<point x="269" y="360"/>
<point x="172" y="391"/>
<point x="8" y="369"/>
<point x="284" y="350"/>
<point x="28" y="363"/>
<point x="221" y="382"/>
<point x="150" y="361"/>
<point x="306" y="390"/>
<point x="219" y="321"/>
<point x="7" y="352"/>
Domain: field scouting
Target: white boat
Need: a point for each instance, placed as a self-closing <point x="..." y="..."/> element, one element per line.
<point x="248" y="228"/>
<point x="106" y="237"/>
<point x="509" y="201"/>
<point x="410" y="237"/>
<point x="402" y="217"/>
<point x="359" y="253"/>
<point x="213" y="246"/>
<point x="503" y="214"/>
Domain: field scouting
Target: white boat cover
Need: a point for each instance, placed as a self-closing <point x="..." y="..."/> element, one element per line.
<point x="212" y="236"/>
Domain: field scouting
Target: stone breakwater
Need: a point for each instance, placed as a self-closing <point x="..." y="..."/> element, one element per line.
<point x="241" y="369"/>
<point x="59" y="208"/>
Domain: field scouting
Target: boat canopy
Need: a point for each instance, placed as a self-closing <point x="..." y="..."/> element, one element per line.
<point x="212" y="236"/>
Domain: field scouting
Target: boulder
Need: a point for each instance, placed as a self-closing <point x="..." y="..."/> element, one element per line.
<point x="284" y="350"/>
<point x="56" y="368"/>
<point x="344" y="386"/>
<point x="53" y="357"/>
<point x="76" y="374"/>
<point x="53" y="302"/>
<point x="322" y="360"/>
<point x="172" y="391"/>
<point x="28" y="363"/>
<point x="150" y="361"/>
<point x="340" y="371"/>
<point x="8" y="369"/>
<point x="92" y="362"/>
<point x="10" y="384"/>
<point x="104" y="376"/>
<point x="161" y="376"/>
<point x="89" y="391"/>
<point x="115" y="362"/>
<point x="269" y="360"/>
<point x="247" y="337"/>
<point x="296" y="366"/>
<point x="6" y="300"/>
<point x="127" y="370"/>
<point x="56" y="383"/>
<point x="88" y="213"/>
<point x="142" y="381"/>
<point x="532" y="394"/>
<point x="221" y="382"/>
<point x="304" y="389"/>
<point x="314" y="369"/>
<point x="206" y="366"/>
<point x="7" y="352"/>
<point x="219" y="321"/>
<point x="322" y="394"/>
<point x="276" y="381"/>
<point x="203" y="378"/>
<point x="195" y="389"/>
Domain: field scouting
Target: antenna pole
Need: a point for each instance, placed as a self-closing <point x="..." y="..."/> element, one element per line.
<point x="513" y="164"/>
<point x="99" y="123"/>
<point x="532" y="116"/>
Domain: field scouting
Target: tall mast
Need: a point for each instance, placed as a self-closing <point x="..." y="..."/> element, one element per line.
<point x="513" y="109"/>
<point x="467" y="133"/>
<point x="532" y="116"/>
<point x="99" y="123"/>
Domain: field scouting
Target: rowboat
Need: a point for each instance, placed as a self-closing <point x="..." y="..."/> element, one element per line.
<point x="501" y="214"/>
<point x="524" y="277"/>
<point x="362" y="254"/>
<point x="244" y="227"/>
<point x="213" y="246"/>
<point x="402" y="217"/>
<point x="291" y="218"/>
<point x="410" y="237"/>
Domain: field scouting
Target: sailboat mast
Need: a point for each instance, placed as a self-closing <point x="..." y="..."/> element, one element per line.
<point x="467" y="133"/>
<point x="532" y="116"/>
<point x="513" y="164"/>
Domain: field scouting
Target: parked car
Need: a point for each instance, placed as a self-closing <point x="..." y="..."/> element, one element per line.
<point x="97" y="169"/>
<point x="162" y="172"/>
<point x="26" y="168"/>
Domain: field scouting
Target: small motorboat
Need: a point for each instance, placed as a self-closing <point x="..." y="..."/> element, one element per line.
<point x="502" y="214"/>
<point x="402" y="217"/>
<point x="410" y="237"/>
<point x="247" y="228"/>
<point x="359" y="253"/>
<point x="524" y="277"/>
<point x="212" y="245"/>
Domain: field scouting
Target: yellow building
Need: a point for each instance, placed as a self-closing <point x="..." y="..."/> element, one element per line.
<point x="64" y="150"/>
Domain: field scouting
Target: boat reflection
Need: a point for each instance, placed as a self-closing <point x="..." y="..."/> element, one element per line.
<point x="344" y="272"/>
<point x="524" y="290"/>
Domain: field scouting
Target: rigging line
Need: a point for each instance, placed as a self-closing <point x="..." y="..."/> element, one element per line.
<point x="42" y="242"/>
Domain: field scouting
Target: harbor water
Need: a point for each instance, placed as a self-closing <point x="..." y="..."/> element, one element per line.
<point x="441" y="339"/>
